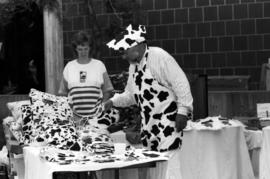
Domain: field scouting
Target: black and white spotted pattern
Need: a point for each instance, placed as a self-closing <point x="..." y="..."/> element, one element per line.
<point x="158" y="110"/>
<point x="130" y="37"/>
<point x="100" y="121"/>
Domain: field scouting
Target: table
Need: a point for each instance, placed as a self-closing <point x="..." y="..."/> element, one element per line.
<point x="215" y="154"/>
<point x="265" y="154"/>
<point x="205" y="154"/>
<point x="211" y="154"/>
<point x="116" y="171"/>
<point x="35" y="167"/>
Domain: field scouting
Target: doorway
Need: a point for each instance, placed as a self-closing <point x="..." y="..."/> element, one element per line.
<point x="22" y="52"/>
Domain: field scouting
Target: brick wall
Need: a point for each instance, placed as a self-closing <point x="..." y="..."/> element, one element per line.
<point x="214" y="37"/>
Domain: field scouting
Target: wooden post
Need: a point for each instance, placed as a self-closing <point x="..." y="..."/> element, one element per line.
<point x="53" y="39"/>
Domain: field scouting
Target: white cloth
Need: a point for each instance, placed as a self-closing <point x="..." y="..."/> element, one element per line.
<point x="166" y="71"/>
<point x="254" y="144"/>
<point x="205" y="154"/>
<point x="170" y="169"/>
<point x="215" y="154"/>
<point x="211" y="123"/>
<point x="253" y="139"/>
<point x="4" y="156"/>
<point x="35" y="167"/>
<point x="265" y="155"/>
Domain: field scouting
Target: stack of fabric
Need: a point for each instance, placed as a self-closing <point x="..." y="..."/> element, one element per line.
<point x="47" y="120"/>
<point x="212" y="123"/>
<point x="64" y="157"/>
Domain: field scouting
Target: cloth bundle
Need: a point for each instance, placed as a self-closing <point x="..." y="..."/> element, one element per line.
<point x="212" y="123"/>
<point x="45" y="119"/>
<point x="102" y="148"/>
<point x="96" y="141"/>
<point x="4" y="156"/>
<point x="14" y="127"/>
<point x="64" y="157"/>
<point x="48" y="120"/>
<point x="53" y="154"/>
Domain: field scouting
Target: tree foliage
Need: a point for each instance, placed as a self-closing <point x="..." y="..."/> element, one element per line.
<point x="11" y="8"/>
<point x="124" y="12"/>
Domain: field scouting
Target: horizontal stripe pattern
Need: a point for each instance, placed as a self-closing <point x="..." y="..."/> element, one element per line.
<point x="85" y="99"/>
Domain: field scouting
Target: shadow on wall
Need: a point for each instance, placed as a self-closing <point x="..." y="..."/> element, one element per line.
<point x="236" y="103"/>
<point x="198" y="85"/>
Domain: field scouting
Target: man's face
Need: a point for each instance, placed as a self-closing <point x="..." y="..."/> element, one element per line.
<point x="131" y="55"/>
<point x="83" y="50"/>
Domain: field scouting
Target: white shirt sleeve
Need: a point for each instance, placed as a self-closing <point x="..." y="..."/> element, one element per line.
<point x="166" y="70"/>
<point x="127" y="97"/>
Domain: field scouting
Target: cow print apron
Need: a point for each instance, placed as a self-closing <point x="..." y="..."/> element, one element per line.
<point x="158" y="111"/>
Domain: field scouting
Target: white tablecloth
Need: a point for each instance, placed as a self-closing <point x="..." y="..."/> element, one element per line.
<point x="221" y="154"/>
<point x="205" y="154"/>
<point x="265" y="155"/>
<point x="209" y="154"/>
<point x="35" y="167"/>
<point x="254" y="144"/>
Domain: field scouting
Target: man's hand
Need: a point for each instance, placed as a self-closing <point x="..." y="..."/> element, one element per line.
<point x="108" y="105"/>
<point x="180" y="122"/>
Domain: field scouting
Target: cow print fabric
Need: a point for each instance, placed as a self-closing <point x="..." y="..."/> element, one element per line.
<point x="158" y="111"/>
<point x="130" y="37"/>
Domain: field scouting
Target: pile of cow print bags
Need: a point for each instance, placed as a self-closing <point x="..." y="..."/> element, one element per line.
<point x="48" y="120"/>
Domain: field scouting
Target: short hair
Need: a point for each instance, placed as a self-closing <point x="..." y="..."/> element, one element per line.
<point x="81" y="38"/>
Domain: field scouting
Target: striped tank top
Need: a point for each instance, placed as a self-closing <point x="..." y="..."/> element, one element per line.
<point x="85" y="99"/>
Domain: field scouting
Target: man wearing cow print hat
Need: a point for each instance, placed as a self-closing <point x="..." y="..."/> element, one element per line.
<point x="158" y="86"/>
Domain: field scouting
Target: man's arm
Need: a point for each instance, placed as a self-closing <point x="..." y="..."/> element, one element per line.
<point x="63" y="88"/>
<point x="178" y="82"/>
<point x="123" y="99"/>
<point x="172" y="75"/>
<point x="107" y="87"/>
<point x="127" y="97"/>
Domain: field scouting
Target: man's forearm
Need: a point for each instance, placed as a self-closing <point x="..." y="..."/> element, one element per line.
<point x="107" y="95"/>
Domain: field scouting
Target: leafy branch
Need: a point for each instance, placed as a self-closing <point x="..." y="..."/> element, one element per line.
<point x="125" y="12"/>
<point x="10" y="8"/>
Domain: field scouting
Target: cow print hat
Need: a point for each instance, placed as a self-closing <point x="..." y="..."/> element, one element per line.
<point x="130" y="37"/>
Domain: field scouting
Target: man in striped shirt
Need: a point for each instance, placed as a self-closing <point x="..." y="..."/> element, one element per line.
<point x="85" y="79"/>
